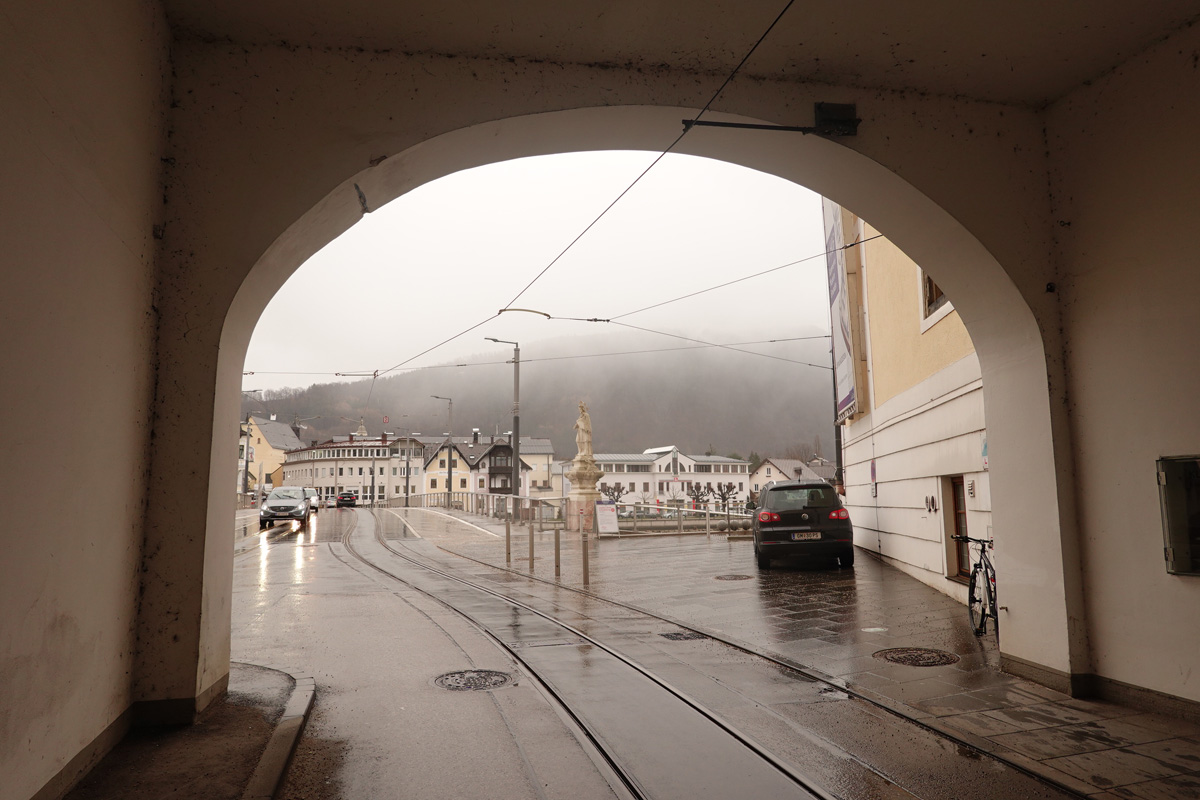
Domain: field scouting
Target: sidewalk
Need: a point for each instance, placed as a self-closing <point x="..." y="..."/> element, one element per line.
<point x="832" y="623"/>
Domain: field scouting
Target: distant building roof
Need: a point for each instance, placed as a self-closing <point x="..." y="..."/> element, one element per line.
<point x="278" y="434"/>
<point x="716" y="460"/>
<point x="644" y="458"/>
<point x="795" y="468"/>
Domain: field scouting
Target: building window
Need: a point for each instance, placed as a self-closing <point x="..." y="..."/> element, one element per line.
<point x="462" y="483"/>
<point x="481" y="483"/>
<point x="441" y="463"/>
<point x="433" y="483"/>
<point x="646" y="486"/>
<point x="934" y="297"/>
<point x="360" y="470"/>
<point x="341" y="471"/>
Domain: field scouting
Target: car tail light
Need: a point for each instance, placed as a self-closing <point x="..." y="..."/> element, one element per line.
<point x="839" y="513"/>
<point x="768" y="516"/>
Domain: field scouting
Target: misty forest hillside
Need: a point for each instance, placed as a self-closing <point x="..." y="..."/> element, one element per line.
<point x="698" y="399"/>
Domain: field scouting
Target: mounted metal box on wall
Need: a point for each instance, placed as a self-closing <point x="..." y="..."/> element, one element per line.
<point x="1179" y="495"/>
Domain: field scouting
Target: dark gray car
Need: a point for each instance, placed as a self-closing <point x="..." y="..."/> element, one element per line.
<point x="285" y="503"/>
<point x="802" y="518"/>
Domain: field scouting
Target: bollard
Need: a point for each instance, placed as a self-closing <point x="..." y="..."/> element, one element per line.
<point x="707" y="520"/>
<point x="507" y="539"/>
<point x="635" y="517"/>
<point x="531" y="546"/>
<point x="584" y="547"/>
<point x="557" y="559"/>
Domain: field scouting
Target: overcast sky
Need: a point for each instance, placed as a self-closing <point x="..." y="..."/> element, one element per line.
<point x="452" y="253"/>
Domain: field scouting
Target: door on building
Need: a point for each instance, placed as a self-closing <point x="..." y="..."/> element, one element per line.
<point x="962" y="550"/>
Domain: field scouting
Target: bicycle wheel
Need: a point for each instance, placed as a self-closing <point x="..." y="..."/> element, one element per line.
<point x="975" y="601"/>
<point x="993" y="609"/>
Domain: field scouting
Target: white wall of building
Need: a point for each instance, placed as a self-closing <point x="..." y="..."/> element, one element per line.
<point x="918" y="440"/>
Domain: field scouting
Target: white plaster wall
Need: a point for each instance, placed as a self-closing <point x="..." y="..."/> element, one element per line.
<point x="932" y="430"/>
<point x="1127" y="189"/>
<point x="81" y="133"/>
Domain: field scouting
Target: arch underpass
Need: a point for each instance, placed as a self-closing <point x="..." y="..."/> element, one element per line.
<point x="169" y="194"/>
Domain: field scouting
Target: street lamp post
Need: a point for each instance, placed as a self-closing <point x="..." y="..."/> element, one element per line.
<point x="516" y="432"/>
<point x="450" y="450"/>
<point x="408" y="466"/>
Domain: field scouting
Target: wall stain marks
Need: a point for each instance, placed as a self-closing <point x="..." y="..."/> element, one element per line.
<point x="362" y="199"/>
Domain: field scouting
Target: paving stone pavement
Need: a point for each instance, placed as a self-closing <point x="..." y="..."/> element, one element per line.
<point x="832" y="622"/>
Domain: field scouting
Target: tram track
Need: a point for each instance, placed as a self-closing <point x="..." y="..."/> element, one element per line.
<point x="549" y="650"/>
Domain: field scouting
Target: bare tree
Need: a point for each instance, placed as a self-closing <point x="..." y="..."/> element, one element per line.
<point x="697" y="492"/>
<point x="614" y="491"/>
<point x="724" y="493"/>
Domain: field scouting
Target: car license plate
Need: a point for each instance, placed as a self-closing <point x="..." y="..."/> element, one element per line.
<point x="805" y="535"/>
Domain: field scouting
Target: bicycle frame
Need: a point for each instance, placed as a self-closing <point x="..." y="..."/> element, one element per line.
<point x="981" y="588"/>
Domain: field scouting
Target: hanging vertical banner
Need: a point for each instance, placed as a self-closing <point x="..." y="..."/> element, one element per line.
<point x="839" y="310"/>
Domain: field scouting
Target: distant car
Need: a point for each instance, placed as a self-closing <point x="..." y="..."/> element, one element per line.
<point x="314" y="499"/>
<point x="287" y="503"/>
<point x="347" y="499"/>
<point x="802" y="518"/>
<point x="331" y="501"/>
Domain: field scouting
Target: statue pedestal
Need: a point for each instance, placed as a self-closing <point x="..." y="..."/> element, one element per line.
<point x="583" y="476"/>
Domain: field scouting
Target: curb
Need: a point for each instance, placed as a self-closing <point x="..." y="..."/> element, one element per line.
<point x="272" y="765"/>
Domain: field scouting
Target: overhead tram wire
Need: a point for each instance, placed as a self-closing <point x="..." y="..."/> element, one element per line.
<point x="659" y="158"/>
<point x="746" y="277"/>
<point x="672" y="146"/>
<point x="646" y="351"/>
<point x="711" y="344"/>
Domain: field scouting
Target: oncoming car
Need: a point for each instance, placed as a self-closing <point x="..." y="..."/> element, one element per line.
<point x="314" y="499"/>
<point x="284" y="503"/>
<point x="802" y="518"/>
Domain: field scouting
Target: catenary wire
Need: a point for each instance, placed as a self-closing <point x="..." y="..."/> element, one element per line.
<point x="657" y="159"/>
<point x="711" y="344"/>
<point x="747" y="277"/>
<point x="552" y="358"/>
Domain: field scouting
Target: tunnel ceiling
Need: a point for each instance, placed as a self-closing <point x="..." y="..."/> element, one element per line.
<point x="1019" y="52"/>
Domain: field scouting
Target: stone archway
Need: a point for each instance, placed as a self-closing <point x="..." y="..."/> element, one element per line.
<point x="1032" y="521"/>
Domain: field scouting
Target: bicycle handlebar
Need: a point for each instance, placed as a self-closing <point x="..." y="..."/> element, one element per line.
<point x="973" y="541"/>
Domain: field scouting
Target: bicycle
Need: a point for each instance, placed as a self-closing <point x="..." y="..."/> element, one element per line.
<point x="981" y="591"/>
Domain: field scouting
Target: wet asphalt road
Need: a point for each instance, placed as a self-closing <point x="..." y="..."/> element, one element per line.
<point x="841" y="745"/>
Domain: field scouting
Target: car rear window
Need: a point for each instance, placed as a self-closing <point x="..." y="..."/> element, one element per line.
<point x="790" y="498"/>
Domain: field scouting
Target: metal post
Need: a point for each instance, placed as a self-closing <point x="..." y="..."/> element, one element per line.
<point x="707" y="520"/>
<point x="557" y="558"/>
<point x="583" y="541"/>
<point x="531" y="546"/>
<point x="507" y="538"/>
<point x="635" y="518"/>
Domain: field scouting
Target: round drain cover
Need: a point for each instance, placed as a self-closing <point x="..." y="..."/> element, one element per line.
<point x="917" y="657"/>
<point x="732" y="578"/>
<point x="473" y="680"/>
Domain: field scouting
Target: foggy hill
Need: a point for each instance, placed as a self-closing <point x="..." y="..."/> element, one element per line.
<point x="695" y="399"/>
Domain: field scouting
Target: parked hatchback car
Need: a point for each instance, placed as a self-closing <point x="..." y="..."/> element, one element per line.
<point x="314" y="499"/>
<point x="801" y="518"/>
<point x="347" y="499"/>
<point x="285" y="503"/>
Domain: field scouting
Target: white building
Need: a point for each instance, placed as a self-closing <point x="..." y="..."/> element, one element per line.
<point x="372" y="467"/>
<point x="664" y="475"/>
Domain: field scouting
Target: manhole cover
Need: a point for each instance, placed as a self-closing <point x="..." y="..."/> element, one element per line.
<point x="683" y="636"/>
<point x="473" y="679"/>
<point x="732" y="578"/>
<point x="917" y="657"/>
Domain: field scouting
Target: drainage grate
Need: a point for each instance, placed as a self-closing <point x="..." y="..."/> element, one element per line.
<point x="917" y="657"/>
<point x="732" y="578"/>
<point x="683" y="636"/>
<point x="473" y="680"/>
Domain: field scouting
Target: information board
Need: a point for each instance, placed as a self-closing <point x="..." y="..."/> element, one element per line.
<point x="606" y="516"/>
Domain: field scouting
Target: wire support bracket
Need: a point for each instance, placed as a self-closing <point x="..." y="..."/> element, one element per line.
<point x="831" y="119"/>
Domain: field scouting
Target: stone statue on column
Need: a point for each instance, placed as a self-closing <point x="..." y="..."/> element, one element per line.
<point x="583" y="475"/>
